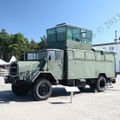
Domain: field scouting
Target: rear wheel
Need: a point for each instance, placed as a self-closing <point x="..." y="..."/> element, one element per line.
<point x="20" y="88"/>
<point x="101" y="84"/>
<point x="42" y="90"/>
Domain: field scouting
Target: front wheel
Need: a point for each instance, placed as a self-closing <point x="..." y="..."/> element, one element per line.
<point x="101" y="84"/>
<point x="20" y="88"/>
<point x="42" y="90"/>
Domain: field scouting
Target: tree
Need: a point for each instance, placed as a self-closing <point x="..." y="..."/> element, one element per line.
<point x="4" y="42"/>
<point x="43" y="43"/>
<point x="18" y="45"/>
<point x="33" y="45"/>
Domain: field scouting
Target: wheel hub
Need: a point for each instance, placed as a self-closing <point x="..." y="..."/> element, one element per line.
<point x="43" y="89"/>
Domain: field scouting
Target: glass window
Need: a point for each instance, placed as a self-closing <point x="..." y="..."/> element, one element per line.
<point x="30" y="56"/>
<point x="88" y="34"/>
<point x="51" y="35"/>
<point x="36" y="55"/>
<point x="42" y="54"/>
<point x="76" y="34"/>
<point x="69" y="33"/>
<point x="83" y="33"/>
<point x="89" y="41"/>
<point x="73" y="34"/>
<point x="51" y="55"/>
<point x="61" y="33"/>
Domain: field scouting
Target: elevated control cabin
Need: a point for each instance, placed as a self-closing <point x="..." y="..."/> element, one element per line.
<point x="66" y="36"/>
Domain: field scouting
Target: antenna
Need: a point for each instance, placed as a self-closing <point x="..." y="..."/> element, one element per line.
<point x="115" y="36"/>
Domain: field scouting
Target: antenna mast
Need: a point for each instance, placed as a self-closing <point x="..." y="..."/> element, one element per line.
<point x="115" y="36"/>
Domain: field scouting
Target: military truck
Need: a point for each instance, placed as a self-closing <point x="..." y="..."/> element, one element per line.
<point x="69" y="59"/>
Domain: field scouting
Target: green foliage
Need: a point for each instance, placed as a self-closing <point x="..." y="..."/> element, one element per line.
<point x="17" y="45"/>
<point x="4" y="42"/>
<point x="43" y="42"/>
<point x="33" y="45"/>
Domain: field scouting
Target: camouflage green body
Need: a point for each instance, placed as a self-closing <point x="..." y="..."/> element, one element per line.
<point x="90" y="64"/>
<point x="81" y="64"/>
<point x="69" y="56"/>
<point x="26" y="69"/>
<point x="31" y="69"/>
<point x="68" y="60"/>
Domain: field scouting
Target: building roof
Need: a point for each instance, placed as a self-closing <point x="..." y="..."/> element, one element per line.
<point x="113" y="43"/>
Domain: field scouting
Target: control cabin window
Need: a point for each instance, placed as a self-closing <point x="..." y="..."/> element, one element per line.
<point x="76" y="34"/>
<point x="51" y="35"/>
<point x="56" y="34"/>
<point x="61" y="33"/>
<point x="86" y="36"/>
<point x="79" y="34"/>
<point x="73" y="34"/>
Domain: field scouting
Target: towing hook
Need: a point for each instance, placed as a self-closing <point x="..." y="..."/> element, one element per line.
<point x="113" y="81"/>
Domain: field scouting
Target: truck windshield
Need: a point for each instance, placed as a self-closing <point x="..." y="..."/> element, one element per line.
<point x="51" y="55"/>
<point x="39" y="55"/>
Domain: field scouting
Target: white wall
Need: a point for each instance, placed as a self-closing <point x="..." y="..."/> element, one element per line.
<point x="112" y="47"/>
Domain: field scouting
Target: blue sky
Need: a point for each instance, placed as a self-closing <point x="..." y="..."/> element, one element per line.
<point x="33" y="17"/>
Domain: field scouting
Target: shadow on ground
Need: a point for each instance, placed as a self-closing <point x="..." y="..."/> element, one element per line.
<point x="8" y="96"/>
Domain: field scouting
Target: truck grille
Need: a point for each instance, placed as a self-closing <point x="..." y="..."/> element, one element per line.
<point x="13" y="68"/>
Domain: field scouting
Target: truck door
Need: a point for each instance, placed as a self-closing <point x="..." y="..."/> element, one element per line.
<point x="55" y="63"/>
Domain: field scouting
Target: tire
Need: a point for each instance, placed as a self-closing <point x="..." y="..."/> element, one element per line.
<point x="101" y="84"/>
<point x="20" y="89"/>
<point x="42" y="90"/>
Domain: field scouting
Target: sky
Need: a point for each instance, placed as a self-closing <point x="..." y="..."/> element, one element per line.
<point x="33" y="17"/>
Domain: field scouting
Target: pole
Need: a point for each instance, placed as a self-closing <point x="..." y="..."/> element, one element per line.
<point x="71" y="97"/>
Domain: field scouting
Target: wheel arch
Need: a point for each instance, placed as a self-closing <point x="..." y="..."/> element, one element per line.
<point x="47" y="76"/>
<point x="103" y="75"/>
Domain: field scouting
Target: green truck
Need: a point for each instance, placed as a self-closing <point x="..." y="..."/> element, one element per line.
<point x="69" y="59"/>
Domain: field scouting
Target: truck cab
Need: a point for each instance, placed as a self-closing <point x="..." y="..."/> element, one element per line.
<point x="53" y="61"/>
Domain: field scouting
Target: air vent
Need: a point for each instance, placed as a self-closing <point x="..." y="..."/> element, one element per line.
<point x="13" y="68"/>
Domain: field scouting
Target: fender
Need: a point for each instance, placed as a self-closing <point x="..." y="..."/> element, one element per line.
<point x="45" y="74"/>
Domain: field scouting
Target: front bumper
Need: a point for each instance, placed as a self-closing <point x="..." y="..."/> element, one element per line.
<point x="10" y="79"/>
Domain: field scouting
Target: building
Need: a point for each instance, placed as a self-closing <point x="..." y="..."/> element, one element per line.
<point x="114" y="47"/>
